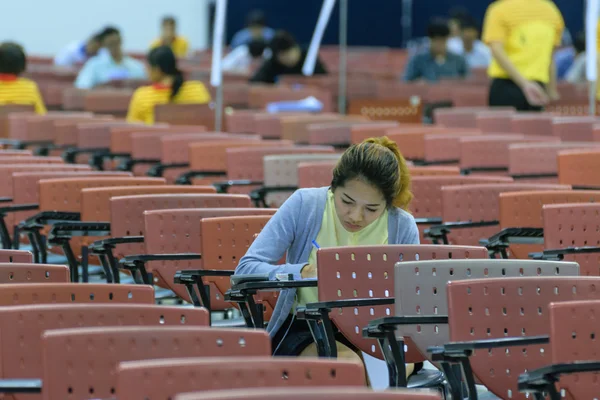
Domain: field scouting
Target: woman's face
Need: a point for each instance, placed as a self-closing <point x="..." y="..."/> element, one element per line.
<point x="357" y="204"/>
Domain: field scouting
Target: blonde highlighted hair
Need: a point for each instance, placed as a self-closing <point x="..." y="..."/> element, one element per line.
<point x="379" y="162"/>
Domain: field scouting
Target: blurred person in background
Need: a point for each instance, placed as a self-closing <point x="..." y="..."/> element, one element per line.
<point x="456" y="15"/>
<point x="256" y="28"/>
<point x="436" y="63"/>
<point x="241" y="58"/>
<point x="13" y="88"/>
<point x="77" y="53"/>
<point x="169" y="37"/>
<point x="570" y="62"/>
<point x="468" y="45"/>
<point x="169" y="86"/>
<point x="522" y="35"/>
<point x="287" y="59"/>
<point x="114" y="65"/>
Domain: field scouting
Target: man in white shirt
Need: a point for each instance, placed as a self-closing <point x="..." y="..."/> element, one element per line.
<point x="241" y="58"/>
<point x="468" y="45"/>
<point x="78" y="52"/>
<point x="110" y="65"/>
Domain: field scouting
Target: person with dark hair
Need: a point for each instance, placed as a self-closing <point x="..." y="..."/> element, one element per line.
<point x="169" y="37"/>
<point x="366" y="204"/>
<point x="523" y="35"/>
<point x="113" y="65"/>
<point x="457" y="15"/>
<point x="256" y="28"/>
<point x="436" y="63"/>
<point x="469" y="46"/>
<point x="241" y="58"/>
<point x="13" y="88"/>
<point x="287" y="59"/>
<point x="169" y="87"/>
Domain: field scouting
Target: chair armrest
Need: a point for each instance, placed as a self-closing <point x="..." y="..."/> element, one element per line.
<point x="222" y="187"/>
<point x="381" y="325"/>
<point x="560" y="253"/>
<point x="144" y="258"/>
<point x="70" y="154"/>
<point x="100" y="246"/>
<point x="186" y="178"/>
<point x="97" y="159"/>
<point x="23" y="144"/>
<point x="158" y="169"/>
<point x="196" y="275"/>
<point x="544" y="379"/>
<point x="441" y="231"/>
<point x="465" y="349"/>
<point x="501" y="240"/>
<point x="49" y="218"/>
<point x="258" y="195"/>
<point x="428" y="221"/>
<point x="79" y="228"/>
<point x="20" y="386"/>
<point x="19" y="207"/>
<point x="129" y="163"/>
<point x="239" y="291"/>
<point x="316" y="309"/>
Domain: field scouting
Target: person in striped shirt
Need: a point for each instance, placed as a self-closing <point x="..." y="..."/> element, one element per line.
<point x="13" y="88"/>
<point x="169" y="87"/>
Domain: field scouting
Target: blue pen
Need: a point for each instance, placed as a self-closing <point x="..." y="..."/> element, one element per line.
<point x="314" y="242"/>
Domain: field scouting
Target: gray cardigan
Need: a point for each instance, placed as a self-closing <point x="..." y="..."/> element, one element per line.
<point x="293" y="228"/>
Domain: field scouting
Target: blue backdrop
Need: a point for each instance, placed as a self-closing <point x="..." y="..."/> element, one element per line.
<point x="371" y="22"/>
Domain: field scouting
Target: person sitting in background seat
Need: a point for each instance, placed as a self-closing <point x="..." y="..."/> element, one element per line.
<point x="114" y="65"/>
<point x="169" y="37"/>
<point x="14" y="89"/>
<point x="256" y="28"/>
<point x="468" y="45"/>
<point x="287" y="59"/>
<point x="79" y="52"/>
<point x="437" y="62"/>
<point x="169" y="87"/>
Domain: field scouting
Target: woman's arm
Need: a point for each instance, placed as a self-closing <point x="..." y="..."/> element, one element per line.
<point x="273" y="242"/>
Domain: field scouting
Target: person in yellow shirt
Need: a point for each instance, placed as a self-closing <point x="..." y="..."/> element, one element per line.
<point x="14" y="89"/>
<point x="522" y="35"/>
<point x="169" y="37"/>
<point x="169" y="87"/>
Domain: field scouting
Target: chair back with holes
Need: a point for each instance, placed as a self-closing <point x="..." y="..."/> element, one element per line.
<point x="21" y="328"/>
<point x="34" y="293"/>
<point x="573" y="342"/>
<point x="186" y="114"/>
<point x="173" y="231"/>
<point x="312" y="394"/>
<point x="247" y="163"/>
<point x="510" y="307"/>
<point x="533" y="123"/>
<point x="16" y="256"/>
<point x="120" y="136"/>
<point x="6" y="171"/>
<point x="574" y="128"/>
<point x="420" y="289"/>
<point x="460" y="117"/>
<point x="33" y="273"/>
<point x="64" y="194"/>
<point x="162" y="379"/>
<point x="212" y="156"/>
<point x="282" y="170"/>
<point x="494" y="121"/>
<point x="26" y="189"/>
<point x="433" y="171"/>
<point x="574" y="225"/>
<point x="127" y="212"/>
<point x="315" y="174"/>
<point x="477" y="203"/>
<point x="224" y="241"/>
<point x="363" y="272"/>
<point x="96" y="135"/>
<point x="336" y="133"/>
<point x="579" y="168"/>
<point x="524" y="210"/>
<point x="491" y="151"/>
<point x="92" y="355"/>
<point x="445" y="148"/>
<point x="539" y="158"/>
<point x="175" y="148"/>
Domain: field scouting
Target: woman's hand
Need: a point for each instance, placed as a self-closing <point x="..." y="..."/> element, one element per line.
<point x="309" y="271"/>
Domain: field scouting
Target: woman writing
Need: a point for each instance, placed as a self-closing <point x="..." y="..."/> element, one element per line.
<point x="365" y="205"/>
<point x="169" y="87"/>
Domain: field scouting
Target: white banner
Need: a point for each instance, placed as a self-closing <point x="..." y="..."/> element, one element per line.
<point x="216" y="70"/>
<point x="313" y="51"/>
<point x="591" y="39"/>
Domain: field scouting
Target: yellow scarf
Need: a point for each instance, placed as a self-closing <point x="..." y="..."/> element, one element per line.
<point x="333" y="234"/>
